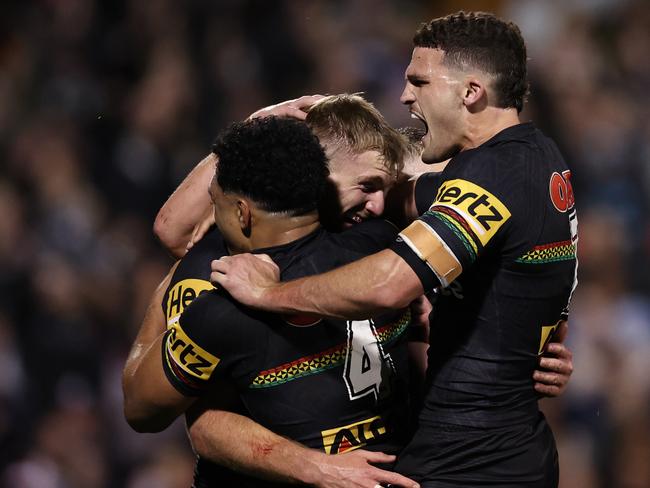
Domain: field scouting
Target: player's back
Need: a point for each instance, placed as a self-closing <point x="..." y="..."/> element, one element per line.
<point x="332" y="385"/>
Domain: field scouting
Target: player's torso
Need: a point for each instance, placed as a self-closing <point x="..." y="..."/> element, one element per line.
<point x="489" y="326"/>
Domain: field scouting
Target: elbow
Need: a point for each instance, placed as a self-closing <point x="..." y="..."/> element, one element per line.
<point x="163" y="232"/>
<point x="199" y="439"/>
<point x="141" y="415"/>
<point x="142" y="421"/>
<point x="389" y="298"/>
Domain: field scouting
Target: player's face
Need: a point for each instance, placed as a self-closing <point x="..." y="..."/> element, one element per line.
<point x="361" y="182"/>
<point x="433" y="93"/>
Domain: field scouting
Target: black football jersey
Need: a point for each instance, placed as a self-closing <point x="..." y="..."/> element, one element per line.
<point x="333" y="385"/>
<point x="505" y="212"/>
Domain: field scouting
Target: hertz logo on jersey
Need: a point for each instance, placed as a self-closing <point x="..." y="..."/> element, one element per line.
<point x="181" y="295"/>
<point x="482" y="211"/>
<point x="186" y="354"/>
<point x="353" y="436"/>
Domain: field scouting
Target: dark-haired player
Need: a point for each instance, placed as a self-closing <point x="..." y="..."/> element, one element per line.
<point x="497" y="240"/>
<point x="334" y="387"/>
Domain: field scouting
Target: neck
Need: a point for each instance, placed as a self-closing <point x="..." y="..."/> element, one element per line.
<point x="484" y="125"/>
<point x="276" y="229"/>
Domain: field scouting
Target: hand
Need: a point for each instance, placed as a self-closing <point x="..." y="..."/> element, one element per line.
<point x="296" y="108"/>
<point x="202" y="228"/>
<point x="354" y="470"/>
<point x="246" y="277"/>
<point x="555" y="365"/>
<point x="420" y="310"/>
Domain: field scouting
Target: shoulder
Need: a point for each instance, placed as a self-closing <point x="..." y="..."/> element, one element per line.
<point x="217" y="321"/>
<point x="367" y="237"/>
<point x="426" y="188"/>
<point x="196" y="263"/>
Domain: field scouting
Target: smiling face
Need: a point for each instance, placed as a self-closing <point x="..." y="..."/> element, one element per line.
<point x="361" y="182"/>
<point x="434" y="94"/>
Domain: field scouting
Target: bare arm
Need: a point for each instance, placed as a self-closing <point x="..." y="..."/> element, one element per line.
<point x="181" y="221"/>
<point x="376" y="283"/>
<point x="150" y="402"/>
<point x="185" y="208"/>
<point x="241" y="444"/>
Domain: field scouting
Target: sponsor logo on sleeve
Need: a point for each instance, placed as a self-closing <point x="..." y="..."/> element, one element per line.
<point x="481" y="210"/>
<point x="561" y="191"/>
<point x="181" y="295"/>
<point x="188" y="355"/>
<point x="353" y="436"/>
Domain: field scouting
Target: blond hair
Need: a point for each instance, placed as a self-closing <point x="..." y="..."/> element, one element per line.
<point x="351" y="123"/>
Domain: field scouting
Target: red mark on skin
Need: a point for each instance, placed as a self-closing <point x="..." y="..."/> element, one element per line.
<point x="262" y="448"/>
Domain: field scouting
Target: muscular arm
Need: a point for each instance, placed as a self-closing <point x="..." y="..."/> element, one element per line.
<point x="374" y="284"/>
<point x="185" y="208"/>
<point x="150" y="402"/>
<point x="241" y="444"/>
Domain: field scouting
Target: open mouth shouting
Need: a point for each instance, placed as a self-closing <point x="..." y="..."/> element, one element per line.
<point x="417" y="116"/>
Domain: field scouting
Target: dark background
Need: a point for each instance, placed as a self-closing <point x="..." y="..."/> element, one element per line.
<point x="105" y="106"/>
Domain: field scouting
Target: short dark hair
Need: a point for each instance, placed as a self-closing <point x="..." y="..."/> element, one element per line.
<point x="276" y="162"/>
<point x="484" y="41"/>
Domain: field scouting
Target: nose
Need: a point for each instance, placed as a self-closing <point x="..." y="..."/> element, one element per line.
<point x="375" y="203"/>
<point x="407" y="95"/>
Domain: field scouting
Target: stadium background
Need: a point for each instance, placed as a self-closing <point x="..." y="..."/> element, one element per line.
<point x="105" y="106"/>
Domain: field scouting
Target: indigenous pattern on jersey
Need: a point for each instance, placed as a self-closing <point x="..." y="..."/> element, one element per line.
<point x="330" y="384"/>
<point x="499" y="233"/>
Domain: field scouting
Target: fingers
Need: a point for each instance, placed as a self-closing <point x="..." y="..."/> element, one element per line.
<point x="296" y="108"/>
<point x="552" y="379"/>
<point x="394" y="479"/>
<point x="558" y="350"/>
<point x="380" y="475"/>
<point x="376" y="457"/>
<point x="264" y="257"/>
<point x="562" y="366"/>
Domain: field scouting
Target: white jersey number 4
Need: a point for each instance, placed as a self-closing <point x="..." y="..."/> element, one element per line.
<point x="365" y="361"/>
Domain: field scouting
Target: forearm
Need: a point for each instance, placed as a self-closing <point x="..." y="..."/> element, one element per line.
<point x="345" y="293"/>
<point x="241" y="444"/>
<point x="185" y="208"/>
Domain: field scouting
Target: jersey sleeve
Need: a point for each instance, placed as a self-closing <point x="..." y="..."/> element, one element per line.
<point x="470" y="213"/>
<point x="426" y="188"/>
<point x="202" y="345"/>
<point x="192" y="275"/>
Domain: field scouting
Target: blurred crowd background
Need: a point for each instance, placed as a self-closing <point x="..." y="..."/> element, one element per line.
<point x="105" y="106"/>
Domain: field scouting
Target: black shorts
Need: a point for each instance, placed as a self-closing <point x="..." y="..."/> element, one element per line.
<point x="449" y="456"/>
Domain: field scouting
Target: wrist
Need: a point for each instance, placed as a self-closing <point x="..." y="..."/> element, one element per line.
<point x="310" y="464"/>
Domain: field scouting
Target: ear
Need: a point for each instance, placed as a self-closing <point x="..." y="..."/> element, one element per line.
<point x="244" y="216"/>
<point x="475" y="96"/>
